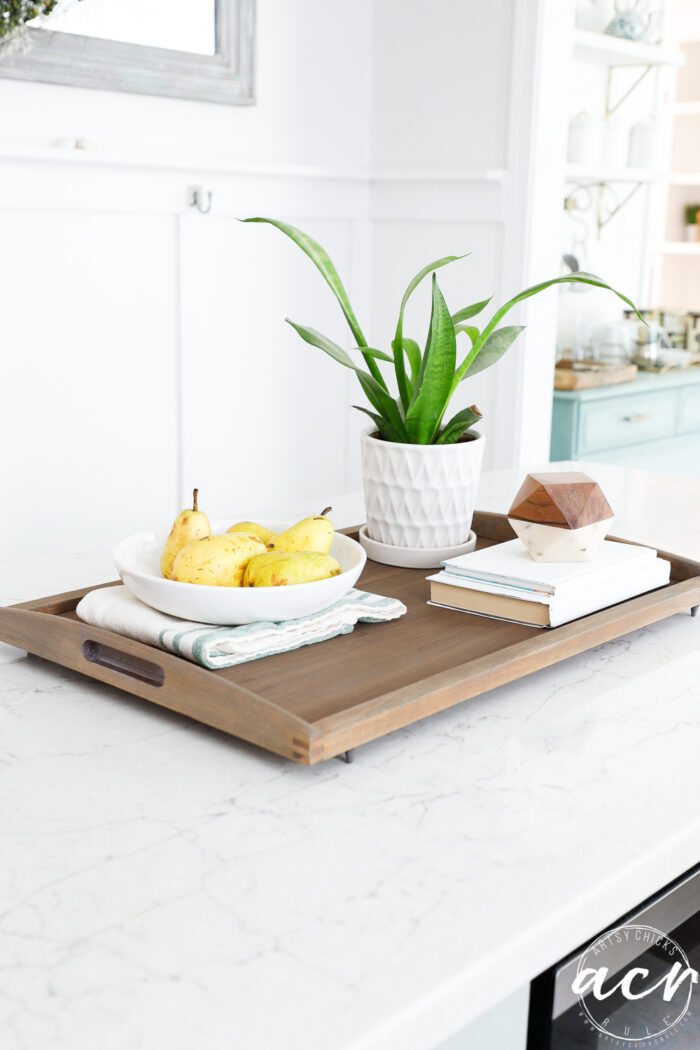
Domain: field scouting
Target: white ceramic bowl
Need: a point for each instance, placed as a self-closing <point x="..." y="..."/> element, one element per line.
<point x="137" y="559"/>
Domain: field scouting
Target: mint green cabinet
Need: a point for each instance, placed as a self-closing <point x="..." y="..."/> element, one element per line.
<point x="690" y="410"/>
<point x="650" y="424"/>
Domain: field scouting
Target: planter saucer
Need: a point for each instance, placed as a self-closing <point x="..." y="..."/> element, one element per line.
<point x="413" y="557"/>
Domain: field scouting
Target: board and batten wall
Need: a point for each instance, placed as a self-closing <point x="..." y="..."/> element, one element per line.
<point x="143" y="344"/>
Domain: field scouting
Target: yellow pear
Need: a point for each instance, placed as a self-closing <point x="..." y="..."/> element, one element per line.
<point x="189" y="525"/>
<point x="283" y="568"/>
<point x="260" y="531"/>
<point x="218" y="561"/>
<point x="310" y="534"/>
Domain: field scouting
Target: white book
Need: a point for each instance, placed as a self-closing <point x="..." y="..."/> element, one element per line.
<point x="548" y="610"/>
<point x="509" y="564"/>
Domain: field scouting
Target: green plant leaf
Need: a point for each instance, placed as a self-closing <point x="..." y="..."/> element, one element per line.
<point x="385" y="405"/>
<point x="376" y="394"/>
<point x="379" y="354"/>
<point x="470" y="311"/>
<point x="471" y="331"/>
<point x="493" y="349"/>
<point x="316" y="338"/>
<point x="383" y="425"/>
<point x="459" y="425"/>
<point x="322" y="261"/>
<point x="580" y="277"/>
<point x="453" y="435"/>
<point x="468" y="416"/>
<point x="433" y="387"/>
<point x="412" y="351"/>
<point x="398" y="343"/>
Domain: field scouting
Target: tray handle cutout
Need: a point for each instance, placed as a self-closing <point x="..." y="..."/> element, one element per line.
<point x="124" y="663"/>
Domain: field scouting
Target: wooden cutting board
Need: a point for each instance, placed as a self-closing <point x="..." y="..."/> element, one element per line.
<point x="568" y="378"/>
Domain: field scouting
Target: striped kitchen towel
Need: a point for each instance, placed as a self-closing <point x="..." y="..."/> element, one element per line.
<point x="115" y="609"/>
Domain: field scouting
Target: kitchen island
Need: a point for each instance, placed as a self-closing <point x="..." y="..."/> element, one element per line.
<point x="164" y="885"/>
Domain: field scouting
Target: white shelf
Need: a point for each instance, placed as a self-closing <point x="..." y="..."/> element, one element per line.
<point x="582" y="173"/>
<point x="684" y="178"/>
<point x="612" y="51"/>
<point x="681" y="248"/>
<point x="686" y="109"/>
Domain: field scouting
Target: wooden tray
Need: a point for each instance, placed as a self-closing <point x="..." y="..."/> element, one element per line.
<point x="325" y="699"/>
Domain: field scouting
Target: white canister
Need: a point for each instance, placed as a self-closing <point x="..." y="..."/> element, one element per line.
<point x="644" y="145"/>
<point x="613" y="342"/>
<point x="614" y="143"/>
<point x="585" y="134"/>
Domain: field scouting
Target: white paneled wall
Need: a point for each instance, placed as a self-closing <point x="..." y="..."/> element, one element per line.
<point x="88" y="408"/>
<point x="441" y="83"/>
<point x="264" y="414"/>
<point x="144" y="346"/>
<point x="145" y="350"/>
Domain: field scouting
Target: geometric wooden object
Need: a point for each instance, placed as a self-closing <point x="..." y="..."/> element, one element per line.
<point x="313" y="703"/>
<point x="561" y="516"/>
<point x="563" y="499"/>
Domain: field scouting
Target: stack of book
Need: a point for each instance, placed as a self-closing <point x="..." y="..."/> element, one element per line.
<point x="503" y="581"/>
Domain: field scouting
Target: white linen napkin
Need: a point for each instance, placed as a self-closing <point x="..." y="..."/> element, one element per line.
<point x="115" y="609"/>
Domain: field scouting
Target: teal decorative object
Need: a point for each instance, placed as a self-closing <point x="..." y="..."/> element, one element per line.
<point x="629" y="22"/>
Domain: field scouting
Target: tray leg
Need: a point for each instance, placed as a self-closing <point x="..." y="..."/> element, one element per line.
<point x="348" y="756"/>
<point x="694" y="611"/>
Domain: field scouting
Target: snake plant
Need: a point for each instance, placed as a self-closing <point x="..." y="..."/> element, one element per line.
<point x="425" y="381"/>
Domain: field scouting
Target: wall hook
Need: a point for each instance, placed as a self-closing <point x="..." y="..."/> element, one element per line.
<point x="199" y="198"/>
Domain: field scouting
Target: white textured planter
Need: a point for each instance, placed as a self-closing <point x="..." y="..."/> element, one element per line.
<point x="420" y="495"/>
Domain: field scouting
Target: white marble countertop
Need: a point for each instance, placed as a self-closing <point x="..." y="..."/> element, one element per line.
<point x="163" y="885"/>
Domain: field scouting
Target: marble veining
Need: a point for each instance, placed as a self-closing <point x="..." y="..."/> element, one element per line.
<point x="163" y="885"/>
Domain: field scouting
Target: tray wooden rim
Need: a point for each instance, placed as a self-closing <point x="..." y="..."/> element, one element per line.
<point x="207" y="697"/>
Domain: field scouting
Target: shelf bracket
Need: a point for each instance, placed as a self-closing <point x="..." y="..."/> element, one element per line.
<point x="609" y="108"/>
<point x="603" y="219"/>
